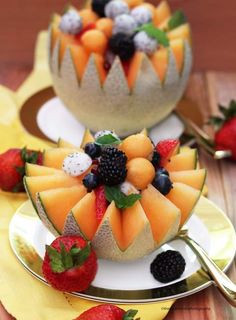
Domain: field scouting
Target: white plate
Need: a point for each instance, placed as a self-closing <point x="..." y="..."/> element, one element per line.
<point x="55" y="121"/>
<point x="132" y="282"/>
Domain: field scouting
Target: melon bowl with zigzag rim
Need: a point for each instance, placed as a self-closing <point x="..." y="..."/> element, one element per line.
<point x="112" y="93"/>
<point x="66" y="206"/>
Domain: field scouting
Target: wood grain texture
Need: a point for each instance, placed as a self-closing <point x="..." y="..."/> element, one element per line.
<point x="207" y="90"/>
<point x="213" y="24"/>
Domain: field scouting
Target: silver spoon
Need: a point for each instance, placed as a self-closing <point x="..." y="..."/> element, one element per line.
<point x="221" y="281"/>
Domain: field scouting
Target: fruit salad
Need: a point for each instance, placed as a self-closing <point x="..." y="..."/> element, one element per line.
<point x="120" y="63"/>
<point x="127" y="197"/>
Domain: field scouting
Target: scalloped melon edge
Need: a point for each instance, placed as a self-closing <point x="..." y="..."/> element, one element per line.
<point x="114" y="98"/>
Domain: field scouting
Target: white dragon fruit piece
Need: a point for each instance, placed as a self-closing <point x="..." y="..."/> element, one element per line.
<point x="76" y="163"/>
<point x="115" y="8"/>
<point x="71" y="22"/>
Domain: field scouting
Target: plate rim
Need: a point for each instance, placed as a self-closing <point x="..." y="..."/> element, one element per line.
<point x="88" y="296"/>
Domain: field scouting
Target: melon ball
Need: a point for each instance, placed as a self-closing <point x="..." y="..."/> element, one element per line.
<point x="140" y="172"/>
<point x="134" y="3"/>
<point x="88" y="16"/>
<point x="137" y="145"/>
<point x="105" y="25"/>
<point x="94" y="41"/>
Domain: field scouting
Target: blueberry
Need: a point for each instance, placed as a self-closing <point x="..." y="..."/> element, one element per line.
<point x="91" y="181"/>
<point x="93" y="150"/>
<point x="162" y="183"/>
<point x="162" y="171"/>
<point x="156" y="159"/>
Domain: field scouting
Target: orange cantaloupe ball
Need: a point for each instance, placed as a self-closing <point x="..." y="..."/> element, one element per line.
<point x="140" y="172"/>
<point x="105" y="25"/>
<point x="134" y="3"/>
<point x="88" y="16"/>
<point x="80" y="59"/>
<point x="137" y="145"/>
<point x="94" y="41"/>
<point x="160" y="62"/>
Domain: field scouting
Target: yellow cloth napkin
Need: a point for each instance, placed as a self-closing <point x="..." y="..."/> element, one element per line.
<point x="23" y="296"/>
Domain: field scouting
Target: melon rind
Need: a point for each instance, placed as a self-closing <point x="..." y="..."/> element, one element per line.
<point x="44" y="218"/>
<point x="106" y="247"/>
<point x="114" y="105"/>
<point x="71" y="227"/>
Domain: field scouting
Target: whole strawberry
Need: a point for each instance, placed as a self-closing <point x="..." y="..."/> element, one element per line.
<point x="12" y="167"/>
<point x="107" y="312"/>
<point x="69" y="264"/>
<point x="225" y="136"/>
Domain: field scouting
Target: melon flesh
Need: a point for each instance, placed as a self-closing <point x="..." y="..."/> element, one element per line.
<point x="161" y="213"/>
<point x="182" y="32"/>
<point x="65" y="41"/>
<point x="114" y="215"/>
<point x="57" y="203"/>
<point x="185" y="198"/>
<point x="162" y="13"/>
<point x="99" y="61"/>
<point x="42" y="183"/>
<point x="134" y="68"/>
<point x="193" y="178"/>
<point x="61" y="143"/>
<point x="183" y="161"/>
<point x="87" y="138"/>
<point x="177" y="45"/>
<point x="33" y="170"/>
<point x="54" y="157"/>
<point x="80" y="58"/>
<point x="160" y="60"/>
<point x="84" y="212"/>
<point x="133" y="222"/>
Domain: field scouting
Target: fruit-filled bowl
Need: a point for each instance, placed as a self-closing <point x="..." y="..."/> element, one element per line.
<point x="120" y="65"/>
<point x="128" y="197"/>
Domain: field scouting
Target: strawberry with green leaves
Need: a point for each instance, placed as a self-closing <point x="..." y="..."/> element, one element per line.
<point x="108" y="312"/>
<point x="12" y="167"/>
<point x="225" y="136"/>
<point x="70" y="264"/>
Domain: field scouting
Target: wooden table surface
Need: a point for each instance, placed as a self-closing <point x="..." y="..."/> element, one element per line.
<point x="207" y="89"/>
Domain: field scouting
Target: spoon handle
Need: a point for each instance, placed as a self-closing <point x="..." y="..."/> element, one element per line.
<point x="223" y="283"/>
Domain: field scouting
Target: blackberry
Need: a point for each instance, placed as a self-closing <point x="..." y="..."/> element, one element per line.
<point x="112" y="167"/>
<point x="122" y="45"/>
<point x="98" y="6"/>
<point x="168" y="266"/>
<point x="162" y="183"/>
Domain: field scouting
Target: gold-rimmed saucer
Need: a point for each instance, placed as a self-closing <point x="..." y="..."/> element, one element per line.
<point x="28" y="239"/>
